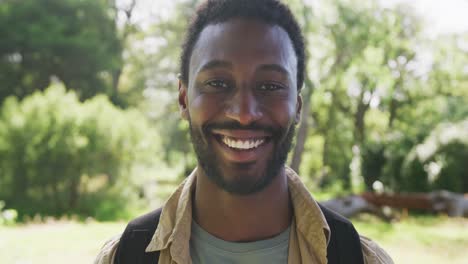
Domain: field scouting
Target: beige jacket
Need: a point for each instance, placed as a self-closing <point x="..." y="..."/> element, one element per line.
<point x="309" y="236"/>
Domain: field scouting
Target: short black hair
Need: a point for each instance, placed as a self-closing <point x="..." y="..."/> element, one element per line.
<point x="269" y="11"/>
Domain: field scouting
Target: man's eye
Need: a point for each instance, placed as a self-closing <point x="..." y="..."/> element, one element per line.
<point x="270" y="87"/>
<point x="219" y="84"/>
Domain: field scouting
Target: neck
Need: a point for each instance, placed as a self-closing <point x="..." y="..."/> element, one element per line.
<point x="242" y="218"/>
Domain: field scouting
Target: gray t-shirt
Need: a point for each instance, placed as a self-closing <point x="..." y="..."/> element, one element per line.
<point x="207" y="249"/>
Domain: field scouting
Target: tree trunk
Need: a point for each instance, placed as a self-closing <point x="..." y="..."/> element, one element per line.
<point x="326" y="134"/>
<point x="359" y="120"/>
<point x="394" y="104"/>
<point x="303" y="126"/>
<point x="74" y="192"/>
<point x="115" y="85"/>
<point x="308" y="90"/>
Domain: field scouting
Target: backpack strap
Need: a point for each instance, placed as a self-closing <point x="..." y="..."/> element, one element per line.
<point x="344" y="246"/>
<point x="345" y="243"/>
<point x="136" y="238"/>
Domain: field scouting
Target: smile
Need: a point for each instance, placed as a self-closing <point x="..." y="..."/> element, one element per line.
<point x="242" y="144"/>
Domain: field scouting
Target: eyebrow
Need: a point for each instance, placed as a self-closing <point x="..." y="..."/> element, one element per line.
<point x="228" y="65"/>
<point x="273" y="67"/>
<point x="216" y="64"/>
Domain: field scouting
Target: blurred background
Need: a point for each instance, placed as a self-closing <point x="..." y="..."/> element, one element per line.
<point x="90" y="133"/>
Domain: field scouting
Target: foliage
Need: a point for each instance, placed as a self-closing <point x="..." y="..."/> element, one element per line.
<point x="439" y="161"/>
<point x="7" y="216"/>
<point x="380" y="87"/>
<point x="151" y="71"/>
<point x="376" y="90"/>
<point x="374" y="94"/>
<point x="58" y="155"/>
<point x="74" y="41"/>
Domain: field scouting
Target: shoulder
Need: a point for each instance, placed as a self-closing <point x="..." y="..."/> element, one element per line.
<point x="107" y="253"/>
<point x="373" y="253"/>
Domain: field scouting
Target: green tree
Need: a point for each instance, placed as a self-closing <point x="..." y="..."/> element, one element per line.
<point x="58" y="155"/>
<point x="439" y="162"/>
<point x="376" y="95"/>
<point x="74" y="41"/>
<point x="370" y="94"/>
<point x="347" y="53"/>
<point x="151" y="78"/>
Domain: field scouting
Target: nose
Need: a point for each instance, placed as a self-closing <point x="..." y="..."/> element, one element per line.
<point x="243" y="107"/>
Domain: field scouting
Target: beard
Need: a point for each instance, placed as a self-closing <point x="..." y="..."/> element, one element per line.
<point x="210" y="163"/>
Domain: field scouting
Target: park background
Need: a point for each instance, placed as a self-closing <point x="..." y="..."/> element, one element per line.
<point x="90" y="133"/>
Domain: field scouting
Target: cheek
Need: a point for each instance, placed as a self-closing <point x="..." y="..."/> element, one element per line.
<point x="282" y="111"/>
<point x="204" y="108"/>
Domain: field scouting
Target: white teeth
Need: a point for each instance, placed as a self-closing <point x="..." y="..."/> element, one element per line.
<point x="242" y="144"/>
<point x="245" y="145"/>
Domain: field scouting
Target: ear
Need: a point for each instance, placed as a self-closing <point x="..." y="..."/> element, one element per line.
<point x="298" y="109"/>
<point x="183" y="100"/>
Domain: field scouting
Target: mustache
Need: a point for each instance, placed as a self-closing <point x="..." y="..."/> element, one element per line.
<point x="237" y="126"/>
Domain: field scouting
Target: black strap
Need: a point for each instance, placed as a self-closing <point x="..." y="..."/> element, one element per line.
<point x="136" y="238"/>
<point x="344" y="247"/>
<point x="345" y="244"/>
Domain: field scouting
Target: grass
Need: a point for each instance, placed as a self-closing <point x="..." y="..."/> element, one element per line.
<point x="420" y="239"/>
<point x="414" y="240"/>
<point x="55" y="242"/>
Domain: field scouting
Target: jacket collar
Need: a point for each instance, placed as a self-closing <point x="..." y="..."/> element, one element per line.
<point x="176" y="217"/>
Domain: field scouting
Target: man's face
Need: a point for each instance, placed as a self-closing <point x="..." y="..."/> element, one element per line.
<point x="242" y="103"/>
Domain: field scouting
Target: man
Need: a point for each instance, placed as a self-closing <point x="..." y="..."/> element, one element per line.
<point x="242" y="68"/>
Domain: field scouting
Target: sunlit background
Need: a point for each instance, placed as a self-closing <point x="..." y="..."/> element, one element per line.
<point x="90" y="133"/>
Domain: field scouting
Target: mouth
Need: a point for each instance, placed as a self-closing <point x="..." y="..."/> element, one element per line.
<point x="242" y="146"/>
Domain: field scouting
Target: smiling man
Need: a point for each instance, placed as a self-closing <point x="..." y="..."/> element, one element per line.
<point x="242" y="69"/>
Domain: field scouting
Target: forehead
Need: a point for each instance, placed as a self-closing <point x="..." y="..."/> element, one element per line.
<point x="244" y="41"/>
